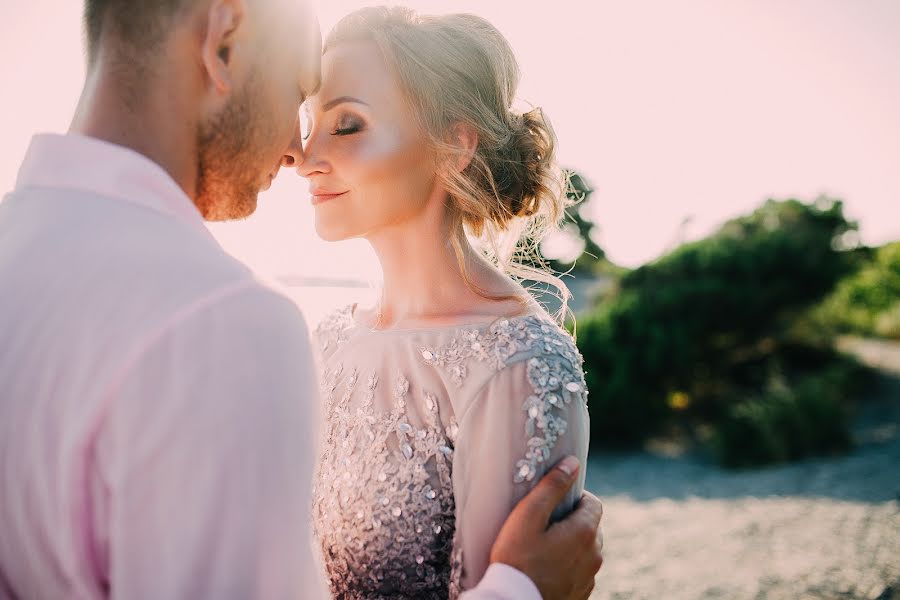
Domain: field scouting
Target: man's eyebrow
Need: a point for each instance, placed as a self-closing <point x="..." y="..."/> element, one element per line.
<point x="341" y="100"/>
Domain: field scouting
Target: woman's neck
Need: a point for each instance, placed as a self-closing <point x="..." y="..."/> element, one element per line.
<point x="424" y="283"/>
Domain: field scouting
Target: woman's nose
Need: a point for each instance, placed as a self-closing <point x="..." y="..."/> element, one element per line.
<point x="312" y="161"/>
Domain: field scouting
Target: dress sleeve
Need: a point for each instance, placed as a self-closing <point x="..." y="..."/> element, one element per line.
<point x="528" y="415"/>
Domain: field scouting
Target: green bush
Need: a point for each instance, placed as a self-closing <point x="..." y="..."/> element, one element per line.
<point x="887" y="323"/>
<point x="685" y="335"/>
<point x="868" y="301"/>
<point x="625" y="406"/>
<point x="786" y="422"/>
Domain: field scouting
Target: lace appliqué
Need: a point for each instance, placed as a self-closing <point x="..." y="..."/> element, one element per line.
<point x="554" y="372"/>
<point x="383" y="508"/>
<point x="332" y="330"/>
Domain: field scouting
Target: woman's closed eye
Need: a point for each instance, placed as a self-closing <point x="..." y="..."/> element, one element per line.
<point x="347" y="125"/>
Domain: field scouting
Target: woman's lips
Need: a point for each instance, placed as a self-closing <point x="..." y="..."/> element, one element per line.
<point x="320" y="197"/>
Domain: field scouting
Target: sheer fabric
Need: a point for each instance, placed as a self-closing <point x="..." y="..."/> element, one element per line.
<point x="430" y="438"/>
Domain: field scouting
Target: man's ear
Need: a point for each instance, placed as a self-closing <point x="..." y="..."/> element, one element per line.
<point x="223" y="23"/>
<point x="465" y="138"/>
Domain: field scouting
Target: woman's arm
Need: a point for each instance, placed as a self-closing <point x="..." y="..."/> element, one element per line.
<point x="527" y="416"/>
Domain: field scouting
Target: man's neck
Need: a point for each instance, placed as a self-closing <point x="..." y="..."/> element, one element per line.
<point x="152" y="121"/>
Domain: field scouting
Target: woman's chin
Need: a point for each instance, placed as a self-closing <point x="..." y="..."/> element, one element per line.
<point x="332" y="232"/>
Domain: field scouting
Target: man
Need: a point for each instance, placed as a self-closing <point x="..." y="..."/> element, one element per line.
<point x="157" y="403"/>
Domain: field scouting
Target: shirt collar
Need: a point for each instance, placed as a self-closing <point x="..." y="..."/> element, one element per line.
<point x="88" y="164"/>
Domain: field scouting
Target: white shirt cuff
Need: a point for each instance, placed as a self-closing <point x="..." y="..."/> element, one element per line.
<point x="504" y="581"/>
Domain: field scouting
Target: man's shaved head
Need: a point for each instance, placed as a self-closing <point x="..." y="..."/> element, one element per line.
<point x="230" y="73"/>
<point x="138" y="24"/>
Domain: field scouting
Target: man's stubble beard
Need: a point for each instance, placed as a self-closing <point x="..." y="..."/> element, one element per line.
<point x="228" y="179"/>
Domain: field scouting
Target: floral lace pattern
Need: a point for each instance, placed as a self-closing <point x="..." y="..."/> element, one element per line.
<point x="332" y="331"/>
<point x="383" y="503"/>
<point x="555" y="376"/>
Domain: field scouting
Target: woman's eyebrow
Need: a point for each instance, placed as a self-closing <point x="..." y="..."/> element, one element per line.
<point x="341" y="100"/>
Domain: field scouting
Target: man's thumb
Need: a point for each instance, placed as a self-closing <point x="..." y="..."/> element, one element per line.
<point x="535" y="509"/>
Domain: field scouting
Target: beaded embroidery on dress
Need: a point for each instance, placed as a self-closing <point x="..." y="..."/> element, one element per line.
<point x="396" y="433"/>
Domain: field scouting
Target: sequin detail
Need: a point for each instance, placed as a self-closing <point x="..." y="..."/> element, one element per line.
<point x="383" y="507"/>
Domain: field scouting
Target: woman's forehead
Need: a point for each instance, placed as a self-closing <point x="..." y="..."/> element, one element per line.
<point x="356" y="69"/>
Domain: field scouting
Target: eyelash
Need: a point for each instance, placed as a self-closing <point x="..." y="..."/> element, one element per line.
<point x="346" y="130"/>
<point x="354" y="128"/>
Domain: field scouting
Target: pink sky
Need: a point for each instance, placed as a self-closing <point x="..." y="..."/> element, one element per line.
<point x="697" y="109"/>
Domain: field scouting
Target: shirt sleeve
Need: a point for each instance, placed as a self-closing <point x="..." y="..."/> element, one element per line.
<point x="502" y="582"/>
<point x="208" y="454"/>
<point x="528" y="416"/>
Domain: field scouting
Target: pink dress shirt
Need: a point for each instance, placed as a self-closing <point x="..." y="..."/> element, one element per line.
<point x="158" y="406"/>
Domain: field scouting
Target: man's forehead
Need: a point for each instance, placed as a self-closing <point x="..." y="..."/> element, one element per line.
<point x="292" y="23"/>
<point x="301" y="9"/>
<point x="312" y="62"/>
<point x="294" y="31"/>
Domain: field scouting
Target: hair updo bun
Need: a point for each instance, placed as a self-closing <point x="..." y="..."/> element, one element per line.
<point x="526" y="172"/>
<point x="460" y="69"/>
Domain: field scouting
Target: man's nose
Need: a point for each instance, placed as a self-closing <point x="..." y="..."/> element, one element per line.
<point x="293" y="156"/>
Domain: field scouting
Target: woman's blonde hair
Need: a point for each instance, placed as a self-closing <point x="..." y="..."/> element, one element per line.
<point x="460" y="69"/>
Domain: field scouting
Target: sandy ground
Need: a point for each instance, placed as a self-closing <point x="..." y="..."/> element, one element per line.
<point x="679" y="528"/>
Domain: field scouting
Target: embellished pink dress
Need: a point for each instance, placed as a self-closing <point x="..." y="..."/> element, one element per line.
<point x="430" y="438"/>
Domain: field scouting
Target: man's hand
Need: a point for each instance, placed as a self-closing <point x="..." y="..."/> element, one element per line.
<point x="561" y="559"/>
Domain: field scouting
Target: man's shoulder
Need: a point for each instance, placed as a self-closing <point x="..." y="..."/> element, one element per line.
<point x="114" y="244"/>
<point x="107" y="263"/>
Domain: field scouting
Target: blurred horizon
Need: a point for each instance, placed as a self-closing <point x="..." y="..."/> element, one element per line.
<point x="680" y="117"/>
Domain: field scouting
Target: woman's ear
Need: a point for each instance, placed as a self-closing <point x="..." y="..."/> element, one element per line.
<point x="223" y="22"/>
<point x="465" y="138"/>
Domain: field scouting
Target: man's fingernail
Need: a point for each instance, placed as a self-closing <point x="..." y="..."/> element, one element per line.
<point x="568" y="465"/>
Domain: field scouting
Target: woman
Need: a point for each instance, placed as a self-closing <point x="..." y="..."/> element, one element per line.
<point x="450" y="398"/>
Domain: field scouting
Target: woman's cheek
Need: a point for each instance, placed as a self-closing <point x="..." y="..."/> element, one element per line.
<point x="387" y="174"/>
<point x="383" y="154"/>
